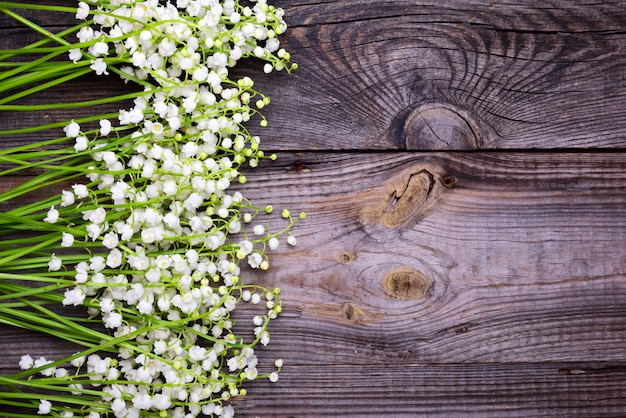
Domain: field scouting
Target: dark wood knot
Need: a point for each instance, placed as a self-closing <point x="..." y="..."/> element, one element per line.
<point x="299" y="167"/>
<point x="345" y="257"/>
<point x="449" y="182"/>
<point x="351" y="311"/>
<point x="439" y="127"/>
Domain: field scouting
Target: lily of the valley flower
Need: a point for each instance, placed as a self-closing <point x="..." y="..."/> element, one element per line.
<point x="156" y="244"/>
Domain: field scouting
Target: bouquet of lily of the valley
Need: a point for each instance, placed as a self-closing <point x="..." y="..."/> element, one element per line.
<point x="147" y="234"/>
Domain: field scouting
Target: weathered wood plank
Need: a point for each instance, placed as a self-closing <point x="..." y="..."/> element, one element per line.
<point x="408" y="390"/>
<point x="433" y="284"/>
<point x="398" y="388"/>
<point x="437" y="258"/>
<point x="526" y="257"/>
<point x="453" y="75"/>
<point x="449" y="258"/>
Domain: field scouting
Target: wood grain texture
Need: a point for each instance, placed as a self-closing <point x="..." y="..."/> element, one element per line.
<point x="507" y="258"/>
<point x="501" y="294"/>
<point x="524" y="256"/>
<point x="499" y="291"/>
<point x="454" y="284"/>
<point x="447" y="75"/>
<point x="408" y="390"/>
<point x="504" y="74"/>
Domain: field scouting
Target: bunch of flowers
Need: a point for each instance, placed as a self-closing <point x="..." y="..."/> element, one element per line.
<point x="148" y="234"/>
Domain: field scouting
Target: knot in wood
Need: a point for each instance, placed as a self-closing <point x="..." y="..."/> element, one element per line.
<point x="406" y="283"/>
<point x="345" y="257"/>
<point x="438" y="127"/>
<point x="351" y="311"/>
<point x="407" y="199"/>
<point x="449" y="182"/>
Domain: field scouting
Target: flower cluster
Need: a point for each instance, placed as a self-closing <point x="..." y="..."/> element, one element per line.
<point x="154" y="241"/>
<point x="194" y="41"/>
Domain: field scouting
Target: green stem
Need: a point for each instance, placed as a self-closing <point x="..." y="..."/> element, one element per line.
<point x="31" y="24"/>
<point x="37" y="76"/>
<point x="85" y="103"/>
<point x="44" y="326"/>
<point x="41" y="277"/>
<point x="20" y="253"/>
<point x="36" y="183"/>
<point x="73" y="75"/>
<point x="32" y="64"/>
<point x="75" y="399"/>
<point x="45" y="143"/>
<point x="6" y="54"/>
<point x="29" y="160"/>
<point x="28" y="291"/>
<point x="52" y="126"/>
<point x="15" y="5"/>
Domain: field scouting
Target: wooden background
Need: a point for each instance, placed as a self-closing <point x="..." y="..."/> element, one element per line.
<point x="462" y="166"/>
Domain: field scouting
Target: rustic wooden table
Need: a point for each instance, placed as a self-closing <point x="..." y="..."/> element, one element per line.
<point x="461" y="163"/>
